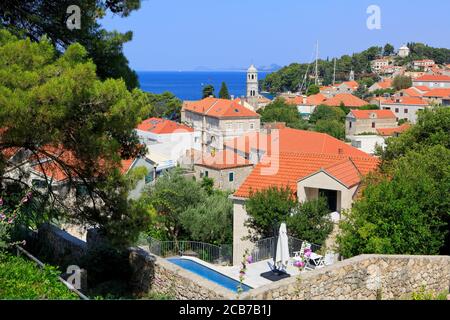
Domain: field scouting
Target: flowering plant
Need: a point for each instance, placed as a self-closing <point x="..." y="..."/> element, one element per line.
<point x="246" y="259"/>
<point x="7" y="220"/>
<point x="301" y="260"/>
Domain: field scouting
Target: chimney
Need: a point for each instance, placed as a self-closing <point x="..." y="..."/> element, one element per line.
<point x="232" y="97"/>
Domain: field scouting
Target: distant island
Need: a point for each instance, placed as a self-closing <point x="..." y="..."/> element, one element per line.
<point x="271" y="68"/>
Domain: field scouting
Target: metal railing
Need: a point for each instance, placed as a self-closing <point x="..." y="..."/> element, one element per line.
<point x="204" y="251"/>
<point x="264" y="249"/>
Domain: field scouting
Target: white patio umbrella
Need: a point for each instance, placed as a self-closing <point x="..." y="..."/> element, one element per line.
<point x="282" y="255"/>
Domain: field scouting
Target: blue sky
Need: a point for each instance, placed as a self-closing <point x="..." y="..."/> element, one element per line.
<point x="220" y="34"/>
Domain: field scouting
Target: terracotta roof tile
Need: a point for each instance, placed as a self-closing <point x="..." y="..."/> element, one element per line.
<point x="386" y="84"/>
<point x="288" y="168"/>
<point x="405" y="101"/>
<point x="432" y="78"/>
<point x="162" y="126"/>
<point x="293" y="140"/>
<point x="347" y="99"/>
<point x="345" y="172"/>
<point x="440" y="93"/>
<point x="220" y="108"/>
<point x="225" y="159"/>
<point x="367" y="114"/>
<point x="387" y="132"/>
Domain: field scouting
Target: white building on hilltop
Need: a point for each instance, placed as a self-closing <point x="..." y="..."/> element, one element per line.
<point x="403" y="52"/>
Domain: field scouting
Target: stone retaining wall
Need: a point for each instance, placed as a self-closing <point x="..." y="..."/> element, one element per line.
<point x="59" y="247"/>
<point x="366" y="277"/>
<point x="180" y="284"/>
<point x="363" y="277"/>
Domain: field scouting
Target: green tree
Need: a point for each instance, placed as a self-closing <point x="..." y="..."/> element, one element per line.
<point x="323" y="112"/>
<point x="312" y="89"/>
<point x="171" y="196"/>
<point x="401" y="82"/>
<point x="267" y="208"/>
<point x="211" y="221"/>
<point x="432" y="128"/>
<point x="333" y="128"/>
<point x="208" y="91"/>
<point x="362" y="92"/>
<point x="223" y="93"/>
<point x="51" y="101"/>
<point x="280" y="111"/>
<point x="208" y="185"/>
<point x="405" y="211"/>
<point x="388" y="49"/>
<point x="311" y="221"/>
<point x="165" y="105"/>
<point x="37" y="19"/>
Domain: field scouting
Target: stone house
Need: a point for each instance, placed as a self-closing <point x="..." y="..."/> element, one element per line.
<point x="433" y="81"/>
<point x="219" y="120"/>
<point x="347" y="87"/>
<point x="226" y="168"/>
<point x="438" y="96"/>
<point x="405" y="108"/>
<point x="381" y="85"/>
<point x="368" y="121"/>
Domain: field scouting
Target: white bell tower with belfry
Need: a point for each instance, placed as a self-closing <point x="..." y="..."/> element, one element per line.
<point x="252" y="86"/>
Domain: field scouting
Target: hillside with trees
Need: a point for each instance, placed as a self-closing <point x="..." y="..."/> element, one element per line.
<point x="291" y="77"/>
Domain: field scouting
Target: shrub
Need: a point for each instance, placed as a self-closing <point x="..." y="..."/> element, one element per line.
<point x="22" y="279"/>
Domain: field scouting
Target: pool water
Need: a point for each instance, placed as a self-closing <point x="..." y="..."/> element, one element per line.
<point x="209" y="274"/>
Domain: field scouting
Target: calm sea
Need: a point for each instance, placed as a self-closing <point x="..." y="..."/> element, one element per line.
<point x="188" y="85"/>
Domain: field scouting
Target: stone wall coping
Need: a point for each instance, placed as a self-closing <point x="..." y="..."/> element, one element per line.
<point x="65" y="235"/>
<point x="192" y="277"/>
<point x="336" y="266"/>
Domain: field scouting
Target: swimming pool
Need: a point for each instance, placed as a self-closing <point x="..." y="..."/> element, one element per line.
<point x="209" y="274"/>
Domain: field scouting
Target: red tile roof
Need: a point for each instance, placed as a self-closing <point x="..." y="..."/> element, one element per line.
<point x="220" y="108"/>
<point x="413" y="92"/>
<point x="387" y="132"/>
<point x="347" y="99"/>
<point x="126" y="165"/>
<point x="351" y="84"/>
<point x="55" y="171"/>
<point x="316" y="99"/>
<point x="162" y="126"/>
<point x="405" y="101"/>
<point x="8" y="153"/>
<point x="345" y="172"/>
<point x="312" y="100"/>
<point x="422" y="88"/>
<point x="432" y="78"/>
<point x="293" y="140"/>
<point x="439" y="93"/>
<point x="292" y="167"/>
<point x="225" y="159"/>
<point x="367" y="114"/>
<point x="386" y="84"/>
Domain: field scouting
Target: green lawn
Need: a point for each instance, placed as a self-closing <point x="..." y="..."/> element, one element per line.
<point x="22" y="279"/>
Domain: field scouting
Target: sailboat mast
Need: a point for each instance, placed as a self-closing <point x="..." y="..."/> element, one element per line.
<point x="317" y="65"/>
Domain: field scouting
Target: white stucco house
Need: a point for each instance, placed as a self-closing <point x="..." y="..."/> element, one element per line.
<point x="167" y="141"/>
